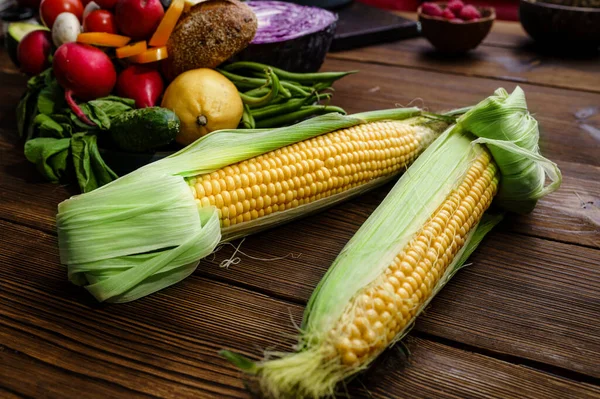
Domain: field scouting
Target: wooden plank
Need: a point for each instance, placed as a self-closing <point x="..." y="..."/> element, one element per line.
<point x="506" y="54"/>
<point x="522" y="296"/>
<point x="165" y="345"/>
<point x="571" y="214"/>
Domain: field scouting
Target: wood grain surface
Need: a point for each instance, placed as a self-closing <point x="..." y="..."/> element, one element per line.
<point x="146" y="348"/>
<point x="521" y="321"/>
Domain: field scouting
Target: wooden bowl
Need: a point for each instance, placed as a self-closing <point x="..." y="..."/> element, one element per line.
<point x="563" y="26"/>
<point x="456" y="37"/>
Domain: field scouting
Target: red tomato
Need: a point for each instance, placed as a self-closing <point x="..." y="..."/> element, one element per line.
<point x="49" y="10"/>
<point x="100" y="21"/>
<point x="106" y="4"/>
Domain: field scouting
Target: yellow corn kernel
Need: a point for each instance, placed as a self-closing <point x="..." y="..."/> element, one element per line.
<point x="311" y="170"/>
<point x="416" y="270"/>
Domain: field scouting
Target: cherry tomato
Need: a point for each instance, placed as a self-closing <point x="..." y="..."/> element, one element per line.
<point x="49" y="10"/>
<point x="100" y="21"/>
<point x="106" y="4"/>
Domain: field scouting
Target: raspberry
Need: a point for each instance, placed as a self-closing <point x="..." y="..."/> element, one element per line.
<point x="431" y="9"/>
<point x="448" y="14"/>
<point x="455" y="6"/>
<point x="469" y="13"/>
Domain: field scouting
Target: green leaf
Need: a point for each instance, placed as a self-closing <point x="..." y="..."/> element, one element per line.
<point x="51" y="98"/>
<point x="50" y="156"/>
<point x="48" y="127"/>
<point x="39" y="81"/>
<point x="90" y="169"/>
<point x="25" y="107"/>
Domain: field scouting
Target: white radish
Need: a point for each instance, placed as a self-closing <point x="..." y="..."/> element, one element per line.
<point x="66" y="28"/>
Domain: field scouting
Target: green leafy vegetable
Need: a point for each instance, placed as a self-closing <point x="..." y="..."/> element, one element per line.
<point x="90" y="169"/>
<point x="49" y="156"/>
<point x="57" y="142"/>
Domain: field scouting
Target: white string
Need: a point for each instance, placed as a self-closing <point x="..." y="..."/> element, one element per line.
<point x="234" y="260"/>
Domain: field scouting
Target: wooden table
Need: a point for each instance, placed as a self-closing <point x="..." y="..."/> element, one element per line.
<point x="523" y="321"/>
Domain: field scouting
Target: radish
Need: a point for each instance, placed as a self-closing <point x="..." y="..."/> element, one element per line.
<point x="33" y="52"/>
<point x="84" y="72"/>
<point x="138" y="19"/>
<point x="141" y="83"/>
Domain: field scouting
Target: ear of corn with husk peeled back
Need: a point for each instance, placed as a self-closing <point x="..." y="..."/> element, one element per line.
<point x="413" y="243"/>
<point x="149" y="229"/>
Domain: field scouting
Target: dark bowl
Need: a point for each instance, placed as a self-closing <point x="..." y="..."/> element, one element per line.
<point x="456" y="37"/>
<point x="562" y="25"/>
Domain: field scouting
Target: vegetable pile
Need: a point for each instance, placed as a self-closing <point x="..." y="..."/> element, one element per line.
<point x="103" y="64"/>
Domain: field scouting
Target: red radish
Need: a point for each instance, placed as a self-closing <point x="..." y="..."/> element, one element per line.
<point x="455" y="6"/>
<point x="141" y="83"/>
<point x="34" y="50"/>
<point x="100" y="21"/>
<point x="138" y="19"/>
<point x="448" y="14"/>
<point x="50" y="9"/>
<point x="469" y="13"/>
<point x="431" y="9"/>
<point x="83" y="71"/>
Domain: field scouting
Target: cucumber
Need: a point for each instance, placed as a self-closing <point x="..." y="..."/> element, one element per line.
<point x="16" y="32"/>
<point x="144" y="129"/>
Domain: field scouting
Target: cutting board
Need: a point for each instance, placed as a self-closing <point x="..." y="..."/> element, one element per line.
<point x="360" y="25"/>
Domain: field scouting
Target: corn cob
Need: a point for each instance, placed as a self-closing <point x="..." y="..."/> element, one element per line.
<point x="149" y="229"/>
<point x="311" y="173"/>
<point x="387" y="305"/>
<point x="404" y="254"/>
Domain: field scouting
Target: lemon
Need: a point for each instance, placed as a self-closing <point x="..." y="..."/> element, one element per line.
<point x="205" y="101"/>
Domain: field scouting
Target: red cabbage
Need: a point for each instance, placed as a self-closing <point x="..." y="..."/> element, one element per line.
<point x="289" y="36"/>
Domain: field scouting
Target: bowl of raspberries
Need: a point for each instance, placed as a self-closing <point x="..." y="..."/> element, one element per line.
<point x="455" y="27"/>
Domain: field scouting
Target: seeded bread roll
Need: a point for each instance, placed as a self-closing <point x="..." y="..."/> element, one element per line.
<point x="209" y="34"/>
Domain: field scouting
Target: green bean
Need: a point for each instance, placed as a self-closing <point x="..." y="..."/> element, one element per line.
<point x="285" y="75"/>
<point x="267" y="98"/>
<point x="295" y="89"/>
<point x="242" y="82"/>
<point x="305" y="111"/>
<point x="277" y="109"/>
<point x="247" y="118"/>
<point x="260" y="91"/>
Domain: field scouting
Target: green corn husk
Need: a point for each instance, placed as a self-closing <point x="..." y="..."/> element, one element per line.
<point x="316" y="369"/>
<point x="145" y="231"/>
<point x="503" y="124"/>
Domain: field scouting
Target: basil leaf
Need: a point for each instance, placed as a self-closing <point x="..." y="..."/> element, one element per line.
<point x="49" y="155"/>
<point x="90" y="169"/>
